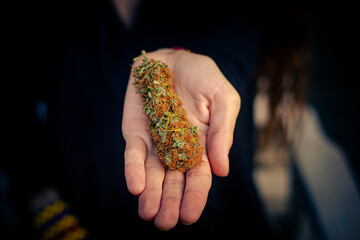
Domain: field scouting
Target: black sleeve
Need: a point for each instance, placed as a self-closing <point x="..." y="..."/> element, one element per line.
<point x="229" y="32"/>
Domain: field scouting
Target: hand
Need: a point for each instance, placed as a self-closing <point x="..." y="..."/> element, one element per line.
<point x="213" y="105"/>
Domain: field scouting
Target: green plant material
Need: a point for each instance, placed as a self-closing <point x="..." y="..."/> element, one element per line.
<point x="177" y="141"/>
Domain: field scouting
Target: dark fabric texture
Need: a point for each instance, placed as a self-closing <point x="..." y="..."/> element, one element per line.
<point x="84" y="55"/>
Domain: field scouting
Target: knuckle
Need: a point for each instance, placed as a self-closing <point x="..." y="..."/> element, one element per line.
<point x="175" y="183"/>
<point x="234" y="98"/>
<point x="237" y="99"/>
<point x="130" y="148"/>
<point x="135" y="143"/>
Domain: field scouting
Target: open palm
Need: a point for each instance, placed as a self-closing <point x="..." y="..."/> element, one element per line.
<point x="213" y="105"/>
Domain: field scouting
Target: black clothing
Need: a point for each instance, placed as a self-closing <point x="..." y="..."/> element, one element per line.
<point x="82" y="74"/>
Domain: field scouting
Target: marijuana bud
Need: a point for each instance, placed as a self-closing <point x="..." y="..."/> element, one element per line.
<point x="177" y="141"/>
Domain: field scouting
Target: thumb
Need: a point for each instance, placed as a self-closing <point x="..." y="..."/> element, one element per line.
<point x="223" y="111"/>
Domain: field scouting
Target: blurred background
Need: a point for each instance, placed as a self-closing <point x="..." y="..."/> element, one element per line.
<point x="306" y="161"/>
<point x="307" y="122"/>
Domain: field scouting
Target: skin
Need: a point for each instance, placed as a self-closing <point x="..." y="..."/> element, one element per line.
<point x="212" y="104"/>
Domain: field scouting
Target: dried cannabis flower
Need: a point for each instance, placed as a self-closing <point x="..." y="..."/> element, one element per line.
<point x="177" y="141"/>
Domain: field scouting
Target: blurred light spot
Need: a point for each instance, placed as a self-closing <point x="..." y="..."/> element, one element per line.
<point x="41" y="109"/>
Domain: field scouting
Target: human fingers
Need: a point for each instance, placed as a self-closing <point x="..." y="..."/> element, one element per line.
<point x="134" y="130"/>
<point x="135" y="155"/>
<point x="198" y="183"/>
<point x="173" y="189"/>
<point x="149" y="199"/>
<point x="133" y="126"/>
<point x="224" y="110"/>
